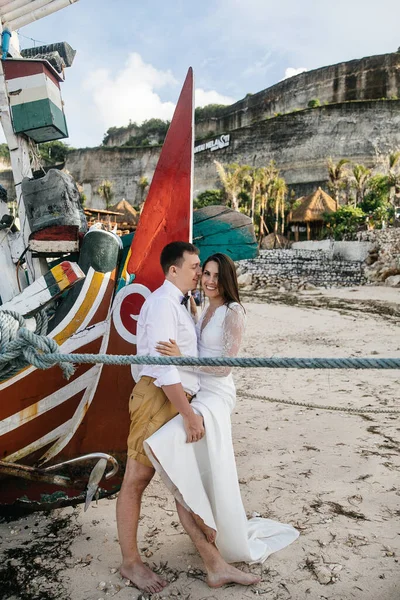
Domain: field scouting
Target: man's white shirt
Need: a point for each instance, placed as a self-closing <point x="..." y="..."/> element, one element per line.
<point x="162" y="317"/>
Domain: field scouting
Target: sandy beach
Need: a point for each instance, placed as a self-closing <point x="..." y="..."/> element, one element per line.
<point x="333" y="475"/>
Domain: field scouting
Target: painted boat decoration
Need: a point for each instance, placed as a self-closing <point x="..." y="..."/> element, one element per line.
<point x="220" y="229"/>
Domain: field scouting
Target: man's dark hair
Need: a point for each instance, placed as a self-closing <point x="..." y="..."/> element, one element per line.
<point x="172" y="254"/>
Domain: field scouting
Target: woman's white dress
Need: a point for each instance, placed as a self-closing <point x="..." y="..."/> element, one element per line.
<point x="202" y="475"/>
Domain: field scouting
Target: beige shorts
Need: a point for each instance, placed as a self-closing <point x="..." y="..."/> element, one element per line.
<point x="149" y="409"/>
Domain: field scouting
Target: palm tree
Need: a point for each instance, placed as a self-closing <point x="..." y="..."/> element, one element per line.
<point x="394" y="158"/>
<point x="267" y="177"/>
<point x="256" y="180"/>
<point x="143" y="184"/>
<point x="232" y="179"/>
<point x="279" y="191"/>
<point x="105" y="191"/>
<point x="361" y="175"/>
<point x="336" y="174"/>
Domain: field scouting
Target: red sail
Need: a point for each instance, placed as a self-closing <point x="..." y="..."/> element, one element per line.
<point x="167" y="211"/>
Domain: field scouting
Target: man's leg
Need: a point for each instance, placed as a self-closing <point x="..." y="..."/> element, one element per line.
<point x="219" y="572"/>
<point x="136" y="479"/>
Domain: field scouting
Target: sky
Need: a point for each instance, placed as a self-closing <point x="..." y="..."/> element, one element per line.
<point x="132" y="57"/>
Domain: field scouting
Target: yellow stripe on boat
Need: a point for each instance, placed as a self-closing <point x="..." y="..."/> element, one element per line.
<point x="83" y="310"/>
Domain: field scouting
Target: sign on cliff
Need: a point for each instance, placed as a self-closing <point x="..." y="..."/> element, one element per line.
<point x="220" y="142"/>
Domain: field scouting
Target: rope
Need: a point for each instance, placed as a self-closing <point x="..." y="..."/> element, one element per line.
<point x="44" y="361"/>
<point x="392" y="411"/>
<point x="17" y="343"/>
<point x="20" y="347"/>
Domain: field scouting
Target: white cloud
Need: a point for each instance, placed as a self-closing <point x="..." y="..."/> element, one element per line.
<point x="291" y="72"/>
<point x="130" y="94"/>
<point x="202" y="98"/>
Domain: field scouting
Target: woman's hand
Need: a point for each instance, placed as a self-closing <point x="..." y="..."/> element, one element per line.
<point x="170" y="348"/>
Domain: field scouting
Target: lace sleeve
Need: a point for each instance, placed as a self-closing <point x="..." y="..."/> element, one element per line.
<point x="233" y="329"/>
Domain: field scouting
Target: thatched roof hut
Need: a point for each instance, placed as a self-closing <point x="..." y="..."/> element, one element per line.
<point x="311" y="212"/>
<point x="129" y="216"/>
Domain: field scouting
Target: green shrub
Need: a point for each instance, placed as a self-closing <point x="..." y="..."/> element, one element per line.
<point x="314" y="103"/>
<point x="208" y="198"/>
<point x="53" y="153"/>
<point x="377" y="195"/>
<point x="345" y="222"/>
<point x="205" y="112"/>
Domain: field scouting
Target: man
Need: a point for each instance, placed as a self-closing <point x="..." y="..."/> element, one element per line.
<point x="160" y="394"/>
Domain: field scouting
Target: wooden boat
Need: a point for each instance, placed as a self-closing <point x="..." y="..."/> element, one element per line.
<point x="46" y="420"/>
<point x="59" y="437"/>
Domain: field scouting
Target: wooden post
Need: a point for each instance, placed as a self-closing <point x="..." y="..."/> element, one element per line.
<point x="308" y="232"/>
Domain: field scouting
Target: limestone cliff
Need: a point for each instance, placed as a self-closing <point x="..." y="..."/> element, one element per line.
<point x="370" y="78"/>
<point x="299" y="142"/>
<point x="359" y="119"/>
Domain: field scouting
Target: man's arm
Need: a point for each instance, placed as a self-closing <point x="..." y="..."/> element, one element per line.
<point x="162" y="323"/>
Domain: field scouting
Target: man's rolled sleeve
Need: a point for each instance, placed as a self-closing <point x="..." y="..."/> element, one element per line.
<point x="162" y="325"/>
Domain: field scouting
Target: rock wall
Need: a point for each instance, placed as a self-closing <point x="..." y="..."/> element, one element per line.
<point x="369" y="78"/>
<point x="296" y="269"/>
<point x="383" y="262"/>
<point x="357" y="251"/>
<point x="299" y="143"/>
<point x="123" y="166"/>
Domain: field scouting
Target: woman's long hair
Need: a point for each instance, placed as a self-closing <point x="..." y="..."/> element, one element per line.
<point x="227" y="278"/>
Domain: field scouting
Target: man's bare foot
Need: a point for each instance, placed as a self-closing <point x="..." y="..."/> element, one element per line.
<point x="229" y="574"/>
<point x="209" y="532"/>
<point x="142" y="577"/>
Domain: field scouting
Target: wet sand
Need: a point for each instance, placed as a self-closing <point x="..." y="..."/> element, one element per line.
<point x="334" y="475"/>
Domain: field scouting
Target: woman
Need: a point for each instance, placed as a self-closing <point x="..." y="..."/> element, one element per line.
<point x="202" y="476"/>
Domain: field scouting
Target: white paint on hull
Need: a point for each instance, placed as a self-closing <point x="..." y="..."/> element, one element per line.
<point x="39" y="408"/>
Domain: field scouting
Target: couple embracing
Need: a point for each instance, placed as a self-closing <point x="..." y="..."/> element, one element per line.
<point x="181" y="427"/>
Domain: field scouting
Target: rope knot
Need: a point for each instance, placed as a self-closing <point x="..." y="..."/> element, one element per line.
<point x="20" y="347"/>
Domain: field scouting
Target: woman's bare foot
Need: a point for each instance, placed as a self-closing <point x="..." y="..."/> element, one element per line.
<point x="229" y="574"/>
<point x="209" y="532"/>
<point x="142" y="577"/>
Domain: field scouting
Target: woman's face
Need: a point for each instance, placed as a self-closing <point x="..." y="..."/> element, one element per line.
<point x="209" y="280"/>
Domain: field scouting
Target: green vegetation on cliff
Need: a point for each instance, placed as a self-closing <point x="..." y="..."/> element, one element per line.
<point x="209" y="111"/>
<point x="53" y="153"/>
<point x="150" y="133"/>
<point x="153" y="131"/>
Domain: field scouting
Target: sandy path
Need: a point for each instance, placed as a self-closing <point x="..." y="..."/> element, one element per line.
<point x="334" y="475"/>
